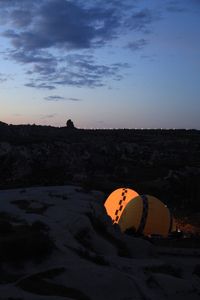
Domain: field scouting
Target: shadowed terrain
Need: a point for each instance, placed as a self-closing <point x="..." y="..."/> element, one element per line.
<point x="71" y="250"/>
<point x="165" y="163"/>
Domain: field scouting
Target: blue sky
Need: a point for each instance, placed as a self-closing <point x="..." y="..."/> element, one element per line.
<point x="104" y="64"/>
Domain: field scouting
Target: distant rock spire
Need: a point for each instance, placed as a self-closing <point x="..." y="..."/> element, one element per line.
<point x="70" y="124"/>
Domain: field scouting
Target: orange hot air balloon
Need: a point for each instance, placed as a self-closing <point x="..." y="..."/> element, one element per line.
<point x="117" y="201"/>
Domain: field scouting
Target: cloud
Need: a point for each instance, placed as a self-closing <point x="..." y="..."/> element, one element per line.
<point x="141" y="20"/>
<point x="46" y="34"/>
<point x="50" y="116"/>
<point x="137" y="45"/>
<point x="4" y="77"/>
<point x="82" y="70"/>
<point x="176" y="7"/>
<point x="60" y="98"/>
<point x="151" y="58"/>
<point x="74" y="99"/>
<point x="39" y="85"/>
<point x="181" y="6"/>
<point x="58" y="23"/>
<point x="78" y="70"/>
<point x="21" y="18"/>
<point x="54" y="98"/>
<point x="39" y="57"/>
<point x="70" y="24"/>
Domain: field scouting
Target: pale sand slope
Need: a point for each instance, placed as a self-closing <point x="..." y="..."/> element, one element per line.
<point x="90" y="258"/>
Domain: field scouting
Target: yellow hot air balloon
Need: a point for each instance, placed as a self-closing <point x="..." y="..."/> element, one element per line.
<point x="117" y="201"/>
<point x="146" y="215"/>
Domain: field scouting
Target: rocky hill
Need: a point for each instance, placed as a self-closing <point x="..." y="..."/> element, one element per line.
<point x="165" y="163"/>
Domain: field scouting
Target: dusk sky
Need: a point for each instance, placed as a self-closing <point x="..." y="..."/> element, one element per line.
<point x="103" y="64"/>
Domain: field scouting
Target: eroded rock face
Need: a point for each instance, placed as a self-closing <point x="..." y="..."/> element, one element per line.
<point x="61" y="245"/>
<point x="165" y="164"/>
